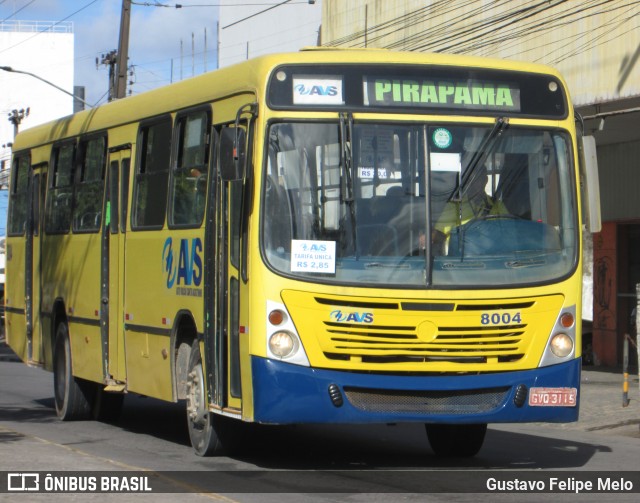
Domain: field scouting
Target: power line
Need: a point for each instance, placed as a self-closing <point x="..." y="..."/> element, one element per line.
<point x="557" y="21"/>
<point x="256" y="14"/>
<point x="183" y="6"/>
<point x="16" y="12"/>
<point x="462" y="32"/>
<point x="409" y="19"/>
<point x="533" y="28"/>
<point x="550" y="26"/>
<point x="537" y="27"/>
<point x="50" y="27"/>
<point x="589" y="44"/>
<point x="494" y="24"/>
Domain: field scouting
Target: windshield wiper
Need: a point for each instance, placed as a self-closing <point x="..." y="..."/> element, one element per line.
<point x="471" y="172"/>
<point x="480" y="156"/>
<point x="346" y="162"/>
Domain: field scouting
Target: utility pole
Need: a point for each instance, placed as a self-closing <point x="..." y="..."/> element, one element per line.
<point x="109" y="60"/>
<point x="15" y="118"/>
<point x="123" y="51"/>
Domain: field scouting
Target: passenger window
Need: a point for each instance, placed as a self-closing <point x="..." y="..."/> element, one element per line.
<point x="60" y="194"/>
<point x="90" y="189"/>
<point x="19" y="196"/>
<point x="152" y="178"/>
<point x="189" y="180"/>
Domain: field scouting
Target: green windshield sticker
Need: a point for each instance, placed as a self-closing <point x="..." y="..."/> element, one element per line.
<point x="442" y="138"/>
<point x="442" y="94"/>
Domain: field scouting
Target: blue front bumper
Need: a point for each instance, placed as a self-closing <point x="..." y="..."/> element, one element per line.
<point x="287" y="394"/>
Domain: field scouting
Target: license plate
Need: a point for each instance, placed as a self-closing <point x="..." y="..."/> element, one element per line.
<point x="553" y="397"/>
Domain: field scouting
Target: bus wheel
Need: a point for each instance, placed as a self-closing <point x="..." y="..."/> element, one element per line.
<point x="202" y="431"/>
<point x="456" y="440"/>
<point x="72" y="395"/>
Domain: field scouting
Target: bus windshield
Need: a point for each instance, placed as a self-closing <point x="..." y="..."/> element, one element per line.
<point x="419" y="205"/>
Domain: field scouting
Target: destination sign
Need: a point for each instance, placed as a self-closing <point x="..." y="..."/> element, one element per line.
<point x="417" y="89"/>
<point x="449" y="94"/>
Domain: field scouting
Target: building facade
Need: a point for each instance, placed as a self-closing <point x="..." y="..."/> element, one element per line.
<point x="596" y="46"/>
<point x="44" y="49"/>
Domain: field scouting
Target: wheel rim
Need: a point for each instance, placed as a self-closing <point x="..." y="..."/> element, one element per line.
<point x="195" y="398"/>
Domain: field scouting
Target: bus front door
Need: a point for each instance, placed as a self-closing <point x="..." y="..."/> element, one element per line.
<point x="232" y="199"/>
<point x="32" y="269"/>
<point x="223" y="299"/>
<point x="112" y="274"/>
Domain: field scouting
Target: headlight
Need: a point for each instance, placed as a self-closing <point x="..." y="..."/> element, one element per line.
<point x="282" y="340"/>
<point x="282" y="344"/>
<point x="561" y="345"/>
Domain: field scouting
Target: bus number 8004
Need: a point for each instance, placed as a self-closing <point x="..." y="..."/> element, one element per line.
<point x="500" y="318"/>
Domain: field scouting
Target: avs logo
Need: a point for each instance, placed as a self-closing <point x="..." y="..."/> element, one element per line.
<point x="341" y="317"/>
<point x="313" y="247"/>
<point x="317" y="91"/>
<point x="183" y="267"/>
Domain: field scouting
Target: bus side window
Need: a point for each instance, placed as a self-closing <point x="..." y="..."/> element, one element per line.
<point x="59" y="195"/>
<point x="87" y="209"/>
<point x="19" y="196"/>
<point x="189" y="176"/>
<point x="152" y="177"/>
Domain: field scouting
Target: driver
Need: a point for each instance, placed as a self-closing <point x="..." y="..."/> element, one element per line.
<point x="475" y="203"/>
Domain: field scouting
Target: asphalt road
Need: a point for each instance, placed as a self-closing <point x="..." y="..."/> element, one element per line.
<point x="151" y="437"/>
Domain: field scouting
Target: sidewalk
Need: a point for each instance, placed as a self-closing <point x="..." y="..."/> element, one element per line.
<point x="601" y="409"/>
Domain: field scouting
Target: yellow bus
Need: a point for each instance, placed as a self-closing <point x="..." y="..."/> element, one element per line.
<point x="330" y="236"/>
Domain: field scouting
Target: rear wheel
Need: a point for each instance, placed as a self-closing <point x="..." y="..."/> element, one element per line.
<point x="72" y="395"/>
<point x="456" y="440"/>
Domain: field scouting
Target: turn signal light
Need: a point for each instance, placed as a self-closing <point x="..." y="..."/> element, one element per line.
<point x="276" y="317"/>
<point x="567" y="320"/>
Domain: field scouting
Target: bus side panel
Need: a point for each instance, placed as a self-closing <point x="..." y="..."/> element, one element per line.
<point x="68" y="270"/>
<point x="86" y="352"/>
<point x="83" y="306"/>
<point x="15" y="317"/>
<point x="149" y="309"/>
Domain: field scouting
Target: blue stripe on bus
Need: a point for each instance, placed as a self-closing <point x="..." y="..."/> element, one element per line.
<point x="286" y="394"/>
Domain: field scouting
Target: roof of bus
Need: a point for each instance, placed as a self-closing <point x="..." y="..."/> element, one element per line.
<point x="248" y="76"/>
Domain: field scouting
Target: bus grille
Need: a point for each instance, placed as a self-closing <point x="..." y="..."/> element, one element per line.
<point x="450" y="340"/>
<point x="434" y="402"/>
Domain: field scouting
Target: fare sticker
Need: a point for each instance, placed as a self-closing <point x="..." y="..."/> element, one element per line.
<point x="313" y="256"/>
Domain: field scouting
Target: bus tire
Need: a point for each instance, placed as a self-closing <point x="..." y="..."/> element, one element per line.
<point x="71" y="395"/>
<point x="456" y="440"/>
<point x="201" y="421"/>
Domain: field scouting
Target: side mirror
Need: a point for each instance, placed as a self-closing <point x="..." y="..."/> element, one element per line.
<point x="590" y="182"/>
<point x="232" y="154"/>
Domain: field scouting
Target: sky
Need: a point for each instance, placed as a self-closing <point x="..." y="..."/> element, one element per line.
<point x="159" y="34"/>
